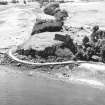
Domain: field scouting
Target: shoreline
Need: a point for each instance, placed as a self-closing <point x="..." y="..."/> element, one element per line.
<point x="64" y="74"/>
<point x="64" y="70"/>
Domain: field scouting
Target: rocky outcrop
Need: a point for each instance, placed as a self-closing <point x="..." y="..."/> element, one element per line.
<point x="58" y="51"/>
<point x="51" y="8"/>
<point x="48" y="26"/>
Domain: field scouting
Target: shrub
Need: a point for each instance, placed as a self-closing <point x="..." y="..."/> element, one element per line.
<point x="85" y="40"/>
<point x="89" y="53"/>
<point x="70" y="44"/>
<point x="79" y="55"/>
<point x="95" y="28"/>
<point x="103" y="53"/>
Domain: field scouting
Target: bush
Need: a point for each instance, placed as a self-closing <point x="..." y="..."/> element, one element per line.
<point x="80" y="55"/>
<point x="89" y="53"/>
<point x="70" y="44"/>
<point x="103" y="53"/>
<point x="85" y="40"/>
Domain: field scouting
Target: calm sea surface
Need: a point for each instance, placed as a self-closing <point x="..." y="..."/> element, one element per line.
<point x="18" y="88"/>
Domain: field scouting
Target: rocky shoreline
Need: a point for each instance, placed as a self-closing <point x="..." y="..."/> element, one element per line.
<point x="61" y="71"/>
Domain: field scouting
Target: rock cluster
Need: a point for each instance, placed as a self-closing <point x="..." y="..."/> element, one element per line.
<point x="47" y="26"/>
<point x="59" y="52"/>
<point x="51" y="8"/>
<point x="51" y="25"/>
<point x="91" y="49"/>
<point x="88" y="50"/>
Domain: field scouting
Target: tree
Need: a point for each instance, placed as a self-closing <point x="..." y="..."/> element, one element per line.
<point x="85" y="40"/>
<point x="103" y="53"/>
<point x="94" y="34"/>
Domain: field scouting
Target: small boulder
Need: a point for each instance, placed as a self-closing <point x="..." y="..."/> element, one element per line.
<point x="96" y="58"/>
<point x="63" y="52"/>
<point x="48" y="26"/>
<point x="61" y="15"/>
<point x="50" y="9"/>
